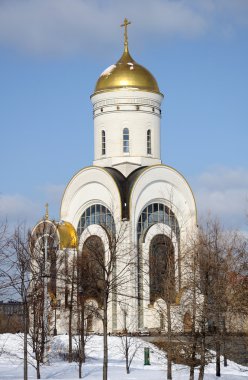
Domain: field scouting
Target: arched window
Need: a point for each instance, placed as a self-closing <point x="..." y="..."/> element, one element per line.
<point x="162" y="269"/>
<point x="103" y="142"/>
<point x="125" y="140"/>
<point x="149" y="142"/>
<point x="156" y="213"/>
<point x="96" y="214"/>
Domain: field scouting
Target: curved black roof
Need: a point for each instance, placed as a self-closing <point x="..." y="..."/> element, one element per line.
<point x="125" y="185"/>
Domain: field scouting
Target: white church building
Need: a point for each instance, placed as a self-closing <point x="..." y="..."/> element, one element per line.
<point x="129" y="192"/>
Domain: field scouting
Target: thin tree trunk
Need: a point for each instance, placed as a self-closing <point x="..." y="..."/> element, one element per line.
<point x="70" y="314"/>
<point x="127" y="366"/>
<point x="105" y="338"/>
<point x="82" y="333"/>
<point x="169" y="360"/>
<point x="25" y="369"/>
<point x="217" y="347"/>
<point x="193" y="332"/>
<point x="126" y="354"/>
<point x="38" y="369"/>
<point x="224" y="351"/>
<point x="80" y="369"/>
<point x="202" y="365"/>
<point x="193" y="355"/>
<point x="81" y="342"/>
<point x="70" y="335"/>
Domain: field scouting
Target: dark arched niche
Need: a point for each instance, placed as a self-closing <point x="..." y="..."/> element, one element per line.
<point x="91" y="269"/>
<point x="161" y="269"/>
<point x="187" y="322"/>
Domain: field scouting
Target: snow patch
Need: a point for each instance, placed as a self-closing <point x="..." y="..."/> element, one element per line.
<point x="11" y="361"/>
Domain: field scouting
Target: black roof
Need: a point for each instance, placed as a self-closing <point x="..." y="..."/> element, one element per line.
<point x="125" y="185"/>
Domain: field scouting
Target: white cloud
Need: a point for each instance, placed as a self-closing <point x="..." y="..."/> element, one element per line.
<point x="223" y="178"/>
<point x="224" y="192"/>
<point x="18" y="209"/>
<point x="52" y="193"/>
<point x="69" y="26"/>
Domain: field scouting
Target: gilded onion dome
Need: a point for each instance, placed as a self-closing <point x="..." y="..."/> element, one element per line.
<point x="67" y="235"/>
<point x="126" y="73"/>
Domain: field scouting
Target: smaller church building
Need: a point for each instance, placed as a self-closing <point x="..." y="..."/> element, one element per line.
<point x="128" y="207"/>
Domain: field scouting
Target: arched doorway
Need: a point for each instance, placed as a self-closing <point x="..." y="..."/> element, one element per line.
<point x="91" y="269"/>
<point x="152" y="214"/>
<point x="89" y="323"/>
<point x="187" y="322"/>
<point x="161" y="269"/>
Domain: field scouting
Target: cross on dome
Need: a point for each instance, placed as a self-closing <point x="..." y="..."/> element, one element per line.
<point x="125" y="24"/>
<point x="126" y="73"/>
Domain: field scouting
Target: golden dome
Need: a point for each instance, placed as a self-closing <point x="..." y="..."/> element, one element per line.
<point x="126" y="73"/>
<point x="67" y="235"/>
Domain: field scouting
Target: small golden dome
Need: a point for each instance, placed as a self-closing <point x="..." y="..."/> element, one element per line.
<point x="126" y="73"/>
<point x="67" y="235"/>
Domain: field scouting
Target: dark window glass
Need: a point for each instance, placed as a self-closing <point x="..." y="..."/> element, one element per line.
<point x="149" y="142"/>
<point x="157" y="213"/>
<point x="96" y="214"/>
<point x="162" y="269"/>
<point x="125" y="140"/>
<point x="103" y="143"/>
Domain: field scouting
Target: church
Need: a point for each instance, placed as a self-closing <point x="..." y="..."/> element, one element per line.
<point x="127" y="199"/>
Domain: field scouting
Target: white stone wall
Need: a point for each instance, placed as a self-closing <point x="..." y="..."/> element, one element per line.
<point x="158" y="183"/>
<point x="89" y="186"/>
<point x="136" y="110"/>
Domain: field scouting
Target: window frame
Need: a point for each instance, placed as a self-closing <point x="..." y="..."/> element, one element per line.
<point x="125" y="141"/>
<point x="103" y="136"/>
<point x="149" y="142"/>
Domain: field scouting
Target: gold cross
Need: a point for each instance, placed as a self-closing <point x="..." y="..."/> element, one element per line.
<point x="47" y="213"/>
<point x="125" y="24"/>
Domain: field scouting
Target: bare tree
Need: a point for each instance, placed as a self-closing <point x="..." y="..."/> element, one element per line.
<point x="106" y="266"/>
<point x="163" y="269"/>
<point x="4" y="284"/>
<point x="16" y="275"/>
<point x="129" y="344"/>
<point x="82" y="334"/>
<point x="216" y="261"/>
<point x="45" y="264"/>
<point x="71" y="283"/>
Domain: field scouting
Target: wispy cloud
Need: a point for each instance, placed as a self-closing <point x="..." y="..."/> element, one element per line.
<point x="224" y="192"/>
<point x="52" y="193"/>
<point x="17" y="209"/>
<point x="71" y="26"/>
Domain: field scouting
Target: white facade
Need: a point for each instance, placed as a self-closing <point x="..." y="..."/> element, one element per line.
<point x="156" y="184"/>
<point x="138" y="179"/>
<point x="138" y="111"/>
<point x="137" y="195"/>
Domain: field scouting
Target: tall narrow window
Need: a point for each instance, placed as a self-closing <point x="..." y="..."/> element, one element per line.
<point x="125" y="140"/>
<point x="149" y="142"/>
<point x="103" y="143"/>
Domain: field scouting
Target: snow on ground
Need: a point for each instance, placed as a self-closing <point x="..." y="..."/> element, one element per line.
<point x="11" y="364"/>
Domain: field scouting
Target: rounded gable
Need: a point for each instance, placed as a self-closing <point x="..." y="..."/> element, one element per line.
<point x="90" y="185"/>
<point x="162" y="183"/>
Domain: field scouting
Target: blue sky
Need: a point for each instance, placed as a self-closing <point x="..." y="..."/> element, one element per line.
<point x="53" y="51"/>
